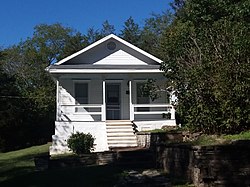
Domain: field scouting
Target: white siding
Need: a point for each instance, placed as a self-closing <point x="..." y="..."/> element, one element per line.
<point x="120" y="57"/>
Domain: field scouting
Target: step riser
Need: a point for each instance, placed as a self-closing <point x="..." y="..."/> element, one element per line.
<point x="126" y="141"/>
<point x="120" y="134"/>
<point x="122" y="139"/>
<point x="119" y="130"/>
<point x="119" y="127"/>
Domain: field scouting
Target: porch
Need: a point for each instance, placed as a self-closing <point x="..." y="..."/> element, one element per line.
<point x="101" y="100"/>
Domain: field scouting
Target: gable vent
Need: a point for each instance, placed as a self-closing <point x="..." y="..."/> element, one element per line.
<point x="111" y="46"/>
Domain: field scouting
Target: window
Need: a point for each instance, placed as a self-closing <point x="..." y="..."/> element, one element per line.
<point x="81" y="93"/>
<point x="142" y="97"/>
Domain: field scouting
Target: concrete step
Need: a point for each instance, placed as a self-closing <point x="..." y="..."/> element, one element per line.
<point x="120" y="131"/>
<point x="119" y="123"/>
<point x="113" y="145"/>
<point x="119" y="134"/>
<point x="122" y="141"/>
<point x="122" y="138"/>
<point x="119" y="127"/>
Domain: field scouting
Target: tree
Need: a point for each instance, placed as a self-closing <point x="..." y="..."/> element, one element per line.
<point x="131" y="32"/>
<point x="206" y="57"/>
<point x="152" y="31"/>
<point x="29" y="116"/>
<point x="107" y="29"/>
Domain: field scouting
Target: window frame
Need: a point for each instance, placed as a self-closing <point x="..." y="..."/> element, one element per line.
<point x="88" y="91"/>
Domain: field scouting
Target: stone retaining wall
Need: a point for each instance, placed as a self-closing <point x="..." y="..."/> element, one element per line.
<point x="221" y="165"/>
<point x="151" y="139"/>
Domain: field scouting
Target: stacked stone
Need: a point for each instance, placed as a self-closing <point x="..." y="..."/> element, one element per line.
<point x="146" y="178"/>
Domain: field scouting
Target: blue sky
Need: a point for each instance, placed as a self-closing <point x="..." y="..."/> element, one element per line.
<point x="18" y="17"/>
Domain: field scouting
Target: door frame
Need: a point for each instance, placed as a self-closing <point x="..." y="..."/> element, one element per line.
<point x="119" y="96"/>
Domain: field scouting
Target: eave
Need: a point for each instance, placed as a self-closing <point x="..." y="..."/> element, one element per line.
<point x="103" y="71"/>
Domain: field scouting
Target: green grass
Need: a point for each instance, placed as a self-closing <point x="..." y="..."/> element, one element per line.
<point x="16" y="163"/>
<point x="206" y="140"/>
<point x="80" y="176"/>
<point x="241" y="136"/>
<point x="17" y="169"/>
<point x="169" y="129"/>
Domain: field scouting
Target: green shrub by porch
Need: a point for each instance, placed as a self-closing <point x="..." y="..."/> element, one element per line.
<point x="81" y="143"/>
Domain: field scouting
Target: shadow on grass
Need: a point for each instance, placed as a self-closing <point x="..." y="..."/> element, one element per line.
<point x="81" y="176"/>
<point x="15" y="167"/>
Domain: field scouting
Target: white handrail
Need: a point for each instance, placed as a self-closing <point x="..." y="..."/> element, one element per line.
<point x="152" y="112"/>
<point x="153" y="105"/>
<point x="88" y="113"/>
<point x="97" y="106"/>
<point x="169" y="109"/>
<point x="85" y="106"/>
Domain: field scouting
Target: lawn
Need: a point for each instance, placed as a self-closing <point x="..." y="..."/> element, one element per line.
<point x="19" y="162"/>
<point x="206" y="140"/>
<point x="17" y="169"/>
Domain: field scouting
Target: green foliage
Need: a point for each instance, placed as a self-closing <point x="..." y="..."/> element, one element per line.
<point x="150" y="89"/>
<point x="107" y="29"/>
<point x="81" y="143"/>
<point x="152" y="31"/>
<point x="131" y="32"/>
<point x="206" y="58"/>
<point x="27" y="91"/>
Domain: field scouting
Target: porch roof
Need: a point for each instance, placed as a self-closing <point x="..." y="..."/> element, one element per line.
<point x="90" y="68"/>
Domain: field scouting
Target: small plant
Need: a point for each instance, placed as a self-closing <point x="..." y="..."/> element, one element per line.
<point x="81" y="143"/>
<point x="166" y="115"/>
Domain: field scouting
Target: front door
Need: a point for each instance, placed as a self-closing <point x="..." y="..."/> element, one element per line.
<point x="113" y="101"/>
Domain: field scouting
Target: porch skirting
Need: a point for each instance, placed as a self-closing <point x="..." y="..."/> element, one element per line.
<point x="64" y="129"/>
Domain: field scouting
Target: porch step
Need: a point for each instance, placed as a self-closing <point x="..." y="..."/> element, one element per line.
<point x="118" y="127"/>
<point x="120" y="134"/>
<point x="123" y="138"/>
<point x="124" y="135"/>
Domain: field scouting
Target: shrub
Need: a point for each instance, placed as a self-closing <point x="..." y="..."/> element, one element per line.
<point x="81" y="143"/>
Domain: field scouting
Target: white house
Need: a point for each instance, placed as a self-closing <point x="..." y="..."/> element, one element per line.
<point x="99" y="90"/>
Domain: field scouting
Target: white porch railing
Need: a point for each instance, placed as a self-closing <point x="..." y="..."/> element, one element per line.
<point x="84" y="110"/>
<point x="163" y="109"/>
<point x="90" y="110"/>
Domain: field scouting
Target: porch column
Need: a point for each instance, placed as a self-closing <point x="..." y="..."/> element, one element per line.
<point x="58" y="108"/>
<point x="131" y="107"/>
<point x="172" y="111"/>
<point x="103" y="100"/>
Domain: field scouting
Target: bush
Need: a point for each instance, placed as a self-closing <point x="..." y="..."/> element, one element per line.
<point x="81" y="143"/>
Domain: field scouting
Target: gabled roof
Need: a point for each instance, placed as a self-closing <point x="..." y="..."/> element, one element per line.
<point x="105" y="39"/>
